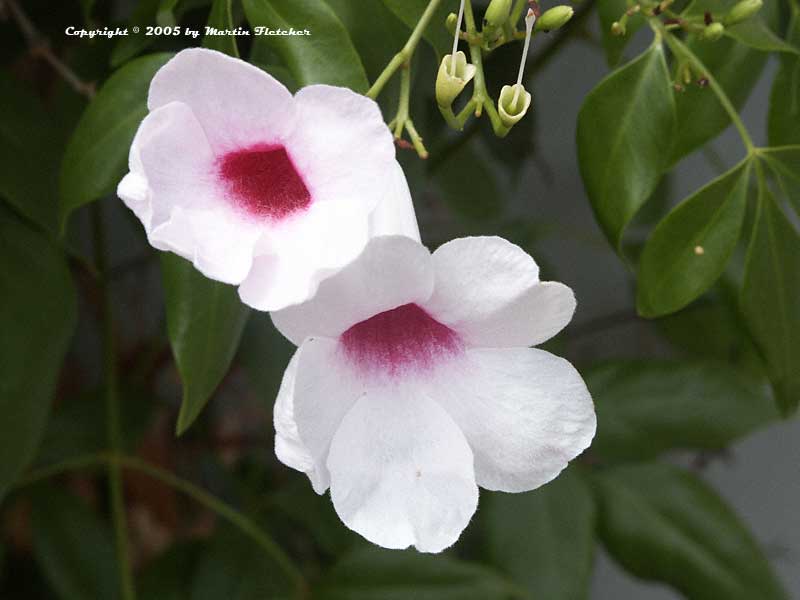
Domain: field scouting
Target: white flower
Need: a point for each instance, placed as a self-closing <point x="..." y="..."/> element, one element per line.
<point x="259" y="188"/>
<point x="414" y="384"/>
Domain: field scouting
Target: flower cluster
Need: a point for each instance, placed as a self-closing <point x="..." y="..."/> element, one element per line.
<point x="414" y="381"/>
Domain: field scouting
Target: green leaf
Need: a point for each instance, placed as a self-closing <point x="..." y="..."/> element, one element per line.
<point x="784" y="162"/>
<point x="700" y="115"/>
<point x="769" y="300"/>
<point x="664" y="524"/>
<point x="328" y="56"/>
<point x="235" y="568"/>
<point x="165" y="16"/>
<point x="757" y="35"/>
<point x="645" y="408"/>
<point x="97" y="154"/>
<point x="436" y="34"/>
<point x="221" y="17"/>
<point x="29" y="154"/>
<point x="37" y="318"/>
<point x="376" y="32"/>
<point x="614" y="45"/>
<point x="205" y="320"/>
<point x="376" y="574"/>
<point x="73" y="547"/>
<point x="713" y="328"/>
<point x="783" y="122"/>
<point x="128" y="46"/>
<point x="544" y="539"/>
<point x="689" y="249"/>
<point x="625" y="129"/>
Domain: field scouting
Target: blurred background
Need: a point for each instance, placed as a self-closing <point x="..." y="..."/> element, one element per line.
<point x="57" y="539"/>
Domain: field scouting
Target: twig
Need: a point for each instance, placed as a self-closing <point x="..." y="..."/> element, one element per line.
<point x="40" y="46"/>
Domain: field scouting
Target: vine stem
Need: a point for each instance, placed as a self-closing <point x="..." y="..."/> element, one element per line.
<point x="246" y="525"/>
<point x="680" y="49"/>
<point x="406" y="52"/>
<point x="480" y="96"/>
<point x="111" y="391"/>
<point x="39" y="46"/>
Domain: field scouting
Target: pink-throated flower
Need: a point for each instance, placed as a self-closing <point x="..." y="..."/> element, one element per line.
<point x="413" y="384"/>
<point x="259" y="188"/>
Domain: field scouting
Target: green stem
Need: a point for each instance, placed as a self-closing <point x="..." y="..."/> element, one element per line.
<point x="199" y="495"/>
<point x="480" y="96"/>
<point x="111" y="391"/>
<point x="405" y="54"/>
<point x="680" y="49"/>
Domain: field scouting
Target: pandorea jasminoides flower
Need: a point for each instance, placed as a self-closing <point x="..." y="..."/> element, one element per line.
<point x="413" y="384"/>
<point x="259" y="188"/>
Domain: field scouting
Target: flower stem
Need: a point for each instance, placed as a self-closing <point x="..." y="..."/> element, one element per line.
<point x="111" y="391"/>
<point x="480" y="95"/>
<point x="682" y="50"/>
<point x="405" y="54"/>
<point x="239" y="520"/>
<point x="39" y="46"/>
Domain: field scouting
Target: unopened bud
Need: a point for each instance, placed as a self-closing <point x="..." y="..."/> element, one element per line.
<point x="452" y="77"/>
<point x="450" y="22"/>
<point x="513" y="103"/>
<point x="617" y="28"/>
<point x="743" y="11"/>
<point x="714" y="31"/>
<point x="554" y="18"/>
<point x="496" y="14"/>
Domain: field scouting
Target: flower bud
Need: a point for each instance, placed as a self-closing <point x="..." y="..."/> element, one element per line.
<point x="618" y="29"/>
<point x="450" y="22"/>
<point x="513" y="103"/>
<point x="713" y="31"/>
<point x="496" y="14"/>
<point x="743" y="11"/>
<point x="452" y="77"/>
<point x="554" y="18"/>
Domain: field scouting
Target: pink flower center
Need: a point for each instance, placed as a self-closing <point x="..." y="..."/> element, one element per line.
<point x="263" y="181"/>
<point x="394" y="341"/>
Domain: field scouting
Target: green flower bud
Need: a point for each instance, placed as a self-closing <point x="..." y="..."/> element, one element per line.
<point x="513" y="103"/>
<point x="743" y="11"/>
<point x="554" y="18"/>
<point x="496" y="14"/>
<point x="450" y="22"/>
<point x="714" y="31"/>
<point x="451" y="82"/>
<point x="618" y="29"/>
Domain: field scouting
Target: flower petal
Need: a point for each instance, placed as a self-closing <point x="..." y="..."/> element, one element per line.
<point x="401" y="472"/>
<point x="525" y="412"/>
<point x="316" y="393"/>
<point x="289" y="448"/>
<point x="236" y="103"/>
<point x="169" y="188"/>
<point x="342" y="146"/>
<point x="488" y="290"/>
<point x="394" y="214"/>
<point x="390" y="272"/>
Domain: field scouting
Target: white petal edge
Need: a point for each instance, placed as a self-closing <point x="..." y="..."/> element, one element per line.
<point x="394" y="214"/>
<point x="390" y="272"/>
<point x="316" y="393"/>
<point x="236" y="103"/>
<point x="401" y="472"/>
<point x="525" y="413"/>
<point x="488" y="290"/>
